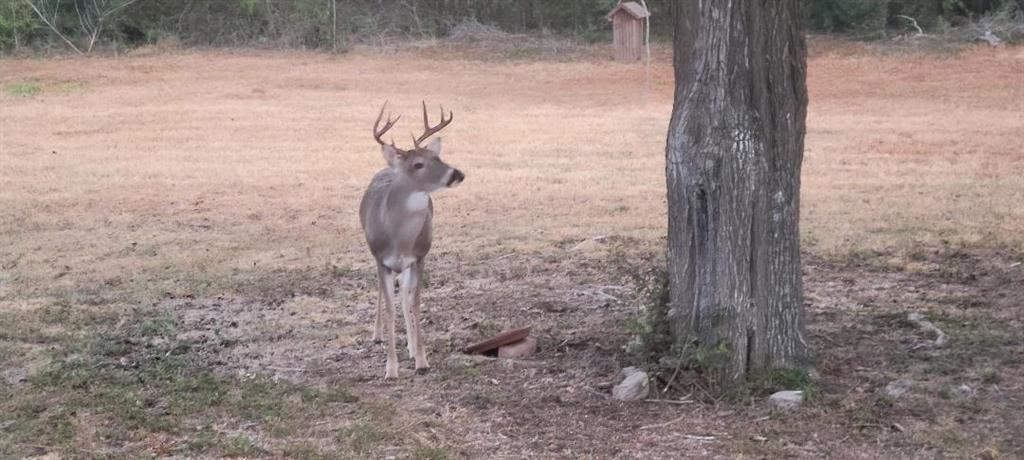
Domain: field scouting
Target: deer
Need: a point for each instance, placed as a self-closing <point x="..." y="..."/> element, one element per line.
<point x="396" y="213"/>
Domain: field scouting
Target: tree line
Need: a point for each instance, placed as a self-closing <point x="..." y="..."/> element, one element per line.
<point x="82" y="25"/>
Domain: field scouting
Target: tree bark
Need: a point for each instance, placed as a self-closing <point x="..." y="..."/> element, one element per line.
<point x="733" y="157"/>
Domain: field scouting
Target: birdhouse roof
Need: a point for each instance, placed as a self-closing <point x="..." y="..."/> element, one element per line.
<point x="633" y="8"/>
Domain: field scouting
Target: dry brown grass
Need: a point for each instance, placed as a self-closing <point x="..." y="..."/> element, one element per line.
<point x="156" y="170"/>
<point x="205" y="173"/>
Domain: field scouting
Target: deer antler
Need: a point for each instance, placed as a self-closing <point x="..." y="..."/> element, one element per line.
<point x="377" y="133"/>
<point x="428" y="130"/>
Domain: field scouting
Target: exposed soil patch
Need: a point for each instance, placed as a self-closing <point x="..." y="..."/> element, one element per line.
<point x="557" y="402"/>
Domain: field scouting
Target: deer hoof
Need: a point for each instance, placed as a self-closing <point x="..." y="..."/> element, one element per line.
<point x="422" y="370"/>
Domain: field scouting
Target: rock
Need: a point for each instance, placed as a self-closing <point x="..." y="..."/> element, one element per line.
<point x="633" y="388"/>
<point x="628" y="371"/>
<point x="964" y="391"/>
<point x="525" y="347"/>
<point x="898" y="388"/>
<point x="786" y="400"/>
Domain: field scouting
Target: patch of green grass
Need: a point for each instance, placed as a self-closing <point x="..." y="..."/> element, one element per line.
<point x="239" y="446"/>
<point x="478" y="400"/>
<point x="364" y="436"/>
<point x="424" y="452"/>
<point x="767" y="381"/>
<point x="135" y="378"/>
<point x="24" y="89"/>
<point x="990" y="376"/>
<point x="6" y="351"/>
<point x="307" y="452"/>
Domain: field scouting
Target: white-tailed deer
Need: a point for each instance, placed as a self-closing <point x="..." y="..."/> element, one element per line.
<point x="396" y="214"/>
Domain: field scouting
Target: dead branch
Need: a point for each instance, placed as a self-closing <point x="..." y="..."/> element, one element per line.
<point x="913" y="22"/>
<point x="52" y="23"/>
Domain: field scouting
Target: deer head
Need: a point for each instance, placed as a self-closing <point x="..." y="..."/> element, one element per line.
<point x="421" y="166"/>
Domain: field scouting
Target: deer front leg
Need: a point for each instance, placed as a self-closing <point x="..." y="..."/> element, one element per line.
<point x="411" y="297"/>
<point x="387" y="285"/>
<point x="410" y="344"/>
<point x="378" y="324"/>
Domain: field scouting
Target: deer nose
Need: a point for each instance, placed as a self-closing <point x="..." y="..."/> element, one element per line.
<point x="456" y="178"/>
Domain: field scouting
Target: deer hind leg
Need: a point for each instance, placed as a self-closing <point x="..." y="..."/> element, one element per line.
<point x="387" y="286"/>
<point x="411" y="298"/>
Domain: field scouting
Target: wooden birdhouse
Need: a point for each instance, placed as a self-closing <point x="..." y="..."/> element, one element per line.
<point x="628" y="36"/>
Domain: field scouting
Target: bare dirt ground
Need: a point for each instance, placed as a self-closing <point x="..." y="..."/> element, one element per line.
<point x="182" y="272"/>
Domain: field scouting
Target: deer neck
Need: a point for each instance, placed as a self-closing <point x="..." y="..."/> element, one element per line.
<point x="407" y="205"/>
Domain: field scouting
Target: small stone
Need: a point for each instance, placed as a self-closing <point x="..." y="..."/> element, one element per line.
<point x="898" y="388"/>
<point x="964" y="391"/>
<point x="786" y="400"/>
<point x="988" y="454"/>
<point x="633" y="388"/>
<point x="525" y="347"/>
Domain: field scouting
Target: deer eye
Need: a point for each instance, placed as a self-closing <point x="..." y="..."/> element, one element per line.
<point x="418" y="165"/>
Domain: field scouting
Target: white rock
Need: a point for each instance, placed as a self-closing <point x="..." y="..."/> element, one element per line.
<point x="786" y="400"/>
<point x="633" y="388"/>
<point x="628" y="371"/>
<point x="898" y="388"/>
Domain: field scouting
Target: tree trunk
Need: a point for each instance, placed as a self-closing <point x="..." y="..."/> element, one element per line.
<point x="735" y="146"/>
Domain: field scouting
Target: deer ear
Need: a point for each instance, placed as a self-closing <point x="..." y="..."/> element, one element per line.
<point x="391" y="154"/>
<point x="435" y="145"/>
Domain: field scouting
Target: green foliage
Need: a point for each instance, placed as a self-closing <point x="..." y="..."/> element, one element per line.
<point x="18" y="24"/>
<point x="872" y="18"/>
<point x="651" y="335"/>
<point x="861" y="17"/>
<point x="334" y="24"/>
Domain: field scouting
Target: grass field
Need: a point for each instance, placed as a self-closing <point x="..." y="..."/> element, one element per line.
<point x="182" y="270"/>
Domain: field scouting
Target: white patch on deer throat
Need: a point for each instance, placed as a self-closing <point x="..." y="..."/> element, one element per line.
<point x="417" y="201"/>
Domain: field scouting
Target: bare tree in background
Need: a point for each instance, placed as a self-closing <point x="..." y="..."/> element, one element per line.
<point x="92" y="14"/>
<point x="734" y="152"/>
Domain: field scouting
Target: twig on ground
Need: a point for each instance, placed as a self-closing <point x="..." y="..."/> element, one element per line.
<point x="940" y="337"/>
<point x="595" y="392"/>
<point x="581" y="243"/>
<point x="671" y="380"/>
<point x="288" y="369"/>
<point x="659" y="425"/>
<point x="597" y="292"/>
<point x="671" y="401"/>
